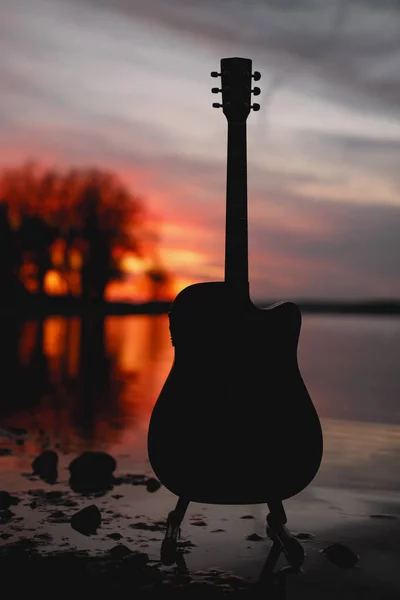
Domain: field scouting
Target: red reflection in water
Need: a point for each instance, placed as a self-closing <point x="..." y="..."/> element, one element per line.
<point x="86" y="384"/>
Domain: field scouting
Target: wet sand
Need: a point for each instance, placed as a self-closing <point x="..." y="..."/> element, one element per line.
<point x="125" y="550"/>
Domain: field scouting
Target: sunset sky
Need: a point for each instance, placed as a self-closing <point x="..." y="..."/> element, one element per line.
<point x="125" y="84"/>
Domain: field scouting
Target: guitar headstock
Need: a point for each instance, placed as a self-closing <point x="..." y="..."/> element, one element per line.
<point x="236" y="89"/>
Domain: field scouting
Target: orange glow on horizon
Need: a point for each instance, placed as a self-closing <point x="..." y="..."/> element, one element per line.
<point x="138" y="290"/>
<point x="182" y="283"/>
<point x="54" y="284"/>
<point x="184" y="257"/>
<point x="126" y="291"/>
<point x="130" y="263"/>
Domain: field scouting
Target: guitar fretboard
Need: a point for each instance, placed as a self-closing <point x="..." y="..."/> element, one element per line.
<point x="236" y="240"/>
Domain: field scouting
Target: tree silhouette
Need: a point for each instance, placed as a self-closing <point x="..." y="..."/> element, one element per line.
<point x="10" y="259"/>
<point x="159" y="278"/>
<point x="36" y="237"/>
<point x="159" y="281"/>
<point x="86" y="214"/>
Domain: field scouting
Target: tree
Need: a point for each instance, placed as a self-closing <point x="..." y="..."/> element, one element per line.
<point x="160" y="282"/>
<point x="90" y="210"/>
<point x="10" y="260"/>
<point x="159" y="278"/>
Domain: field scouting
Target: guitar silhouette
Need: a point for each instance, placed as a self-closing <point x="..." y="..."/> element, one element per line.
<point x="234" y="423"/>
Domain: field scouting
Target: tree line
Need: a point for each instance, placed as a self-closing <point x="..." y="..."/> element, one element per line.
<point x="77" y="223"/>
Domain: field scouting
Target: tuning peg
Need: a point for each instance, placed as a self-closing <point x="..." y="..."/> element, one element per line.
<point x="217" y="105"/>
<point x="255" y="106"/>
<point x="216" y="90"/>
<point x="256" y="76"/>
<point x="256" y="91"/>
<point x="215" y="74"/>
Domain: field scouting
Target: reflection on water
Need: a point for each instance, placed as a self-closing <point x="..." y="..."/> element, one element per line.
<point x="80" y="383"/>
<point x="351" y="366"/>
<point x="91" y="383"/>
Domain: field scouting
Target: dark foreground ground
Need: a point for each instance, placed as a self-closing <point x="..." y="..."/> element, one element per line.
<point x="43" y="552"/>
<point x="60" y="538"/>
<point x="126" y="571"/>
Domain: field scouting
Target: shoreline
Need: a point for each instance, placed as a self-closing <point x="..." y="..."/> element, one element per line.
<point x="225" y="547"/>
<point x="60" y="306"/>
<point x="134" y="562"/>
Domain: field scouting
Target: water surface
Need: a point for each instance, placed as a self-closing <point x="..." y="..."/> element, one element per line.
<point x="91" y="385"/>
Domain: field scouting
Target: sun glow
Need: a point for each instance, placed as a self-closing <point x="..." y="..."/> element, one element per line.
<point x="129" y="263"/>
<point x="55" y="284"/>
<point x="182" y="283"/>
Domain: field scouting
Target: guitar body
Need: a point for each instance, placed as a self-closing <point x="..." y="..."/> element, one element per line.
<point x="234" y="423"/>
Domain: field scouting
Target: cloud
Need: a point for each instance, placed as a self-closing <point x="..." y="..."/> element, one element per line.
<point x="125" y="84"/>
<point x="380" y="155"/>
<point x="349" y="250"/>
<point x="352" y="47"/>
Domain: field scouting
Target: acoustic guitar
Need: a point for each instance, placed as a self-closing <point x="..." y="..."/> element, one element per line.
<point x="234" y="423"/>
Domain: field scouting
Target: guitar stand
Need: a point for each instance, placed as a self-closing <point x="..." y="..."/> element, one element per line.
<point x="283" y="542"/>
<point x="169" y="550"/>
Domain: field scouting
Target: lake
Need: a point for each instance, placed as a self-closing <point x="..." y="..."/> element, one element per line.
<point x="91" y="386"/>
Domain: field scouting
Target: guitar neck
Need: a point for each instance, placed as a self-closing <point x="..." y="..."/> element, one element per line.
<point x="236" y="240"/>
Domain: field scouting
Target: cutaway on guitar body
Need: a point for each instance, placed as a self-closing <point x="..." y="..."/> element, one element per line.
<point x="234" y="423"/>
